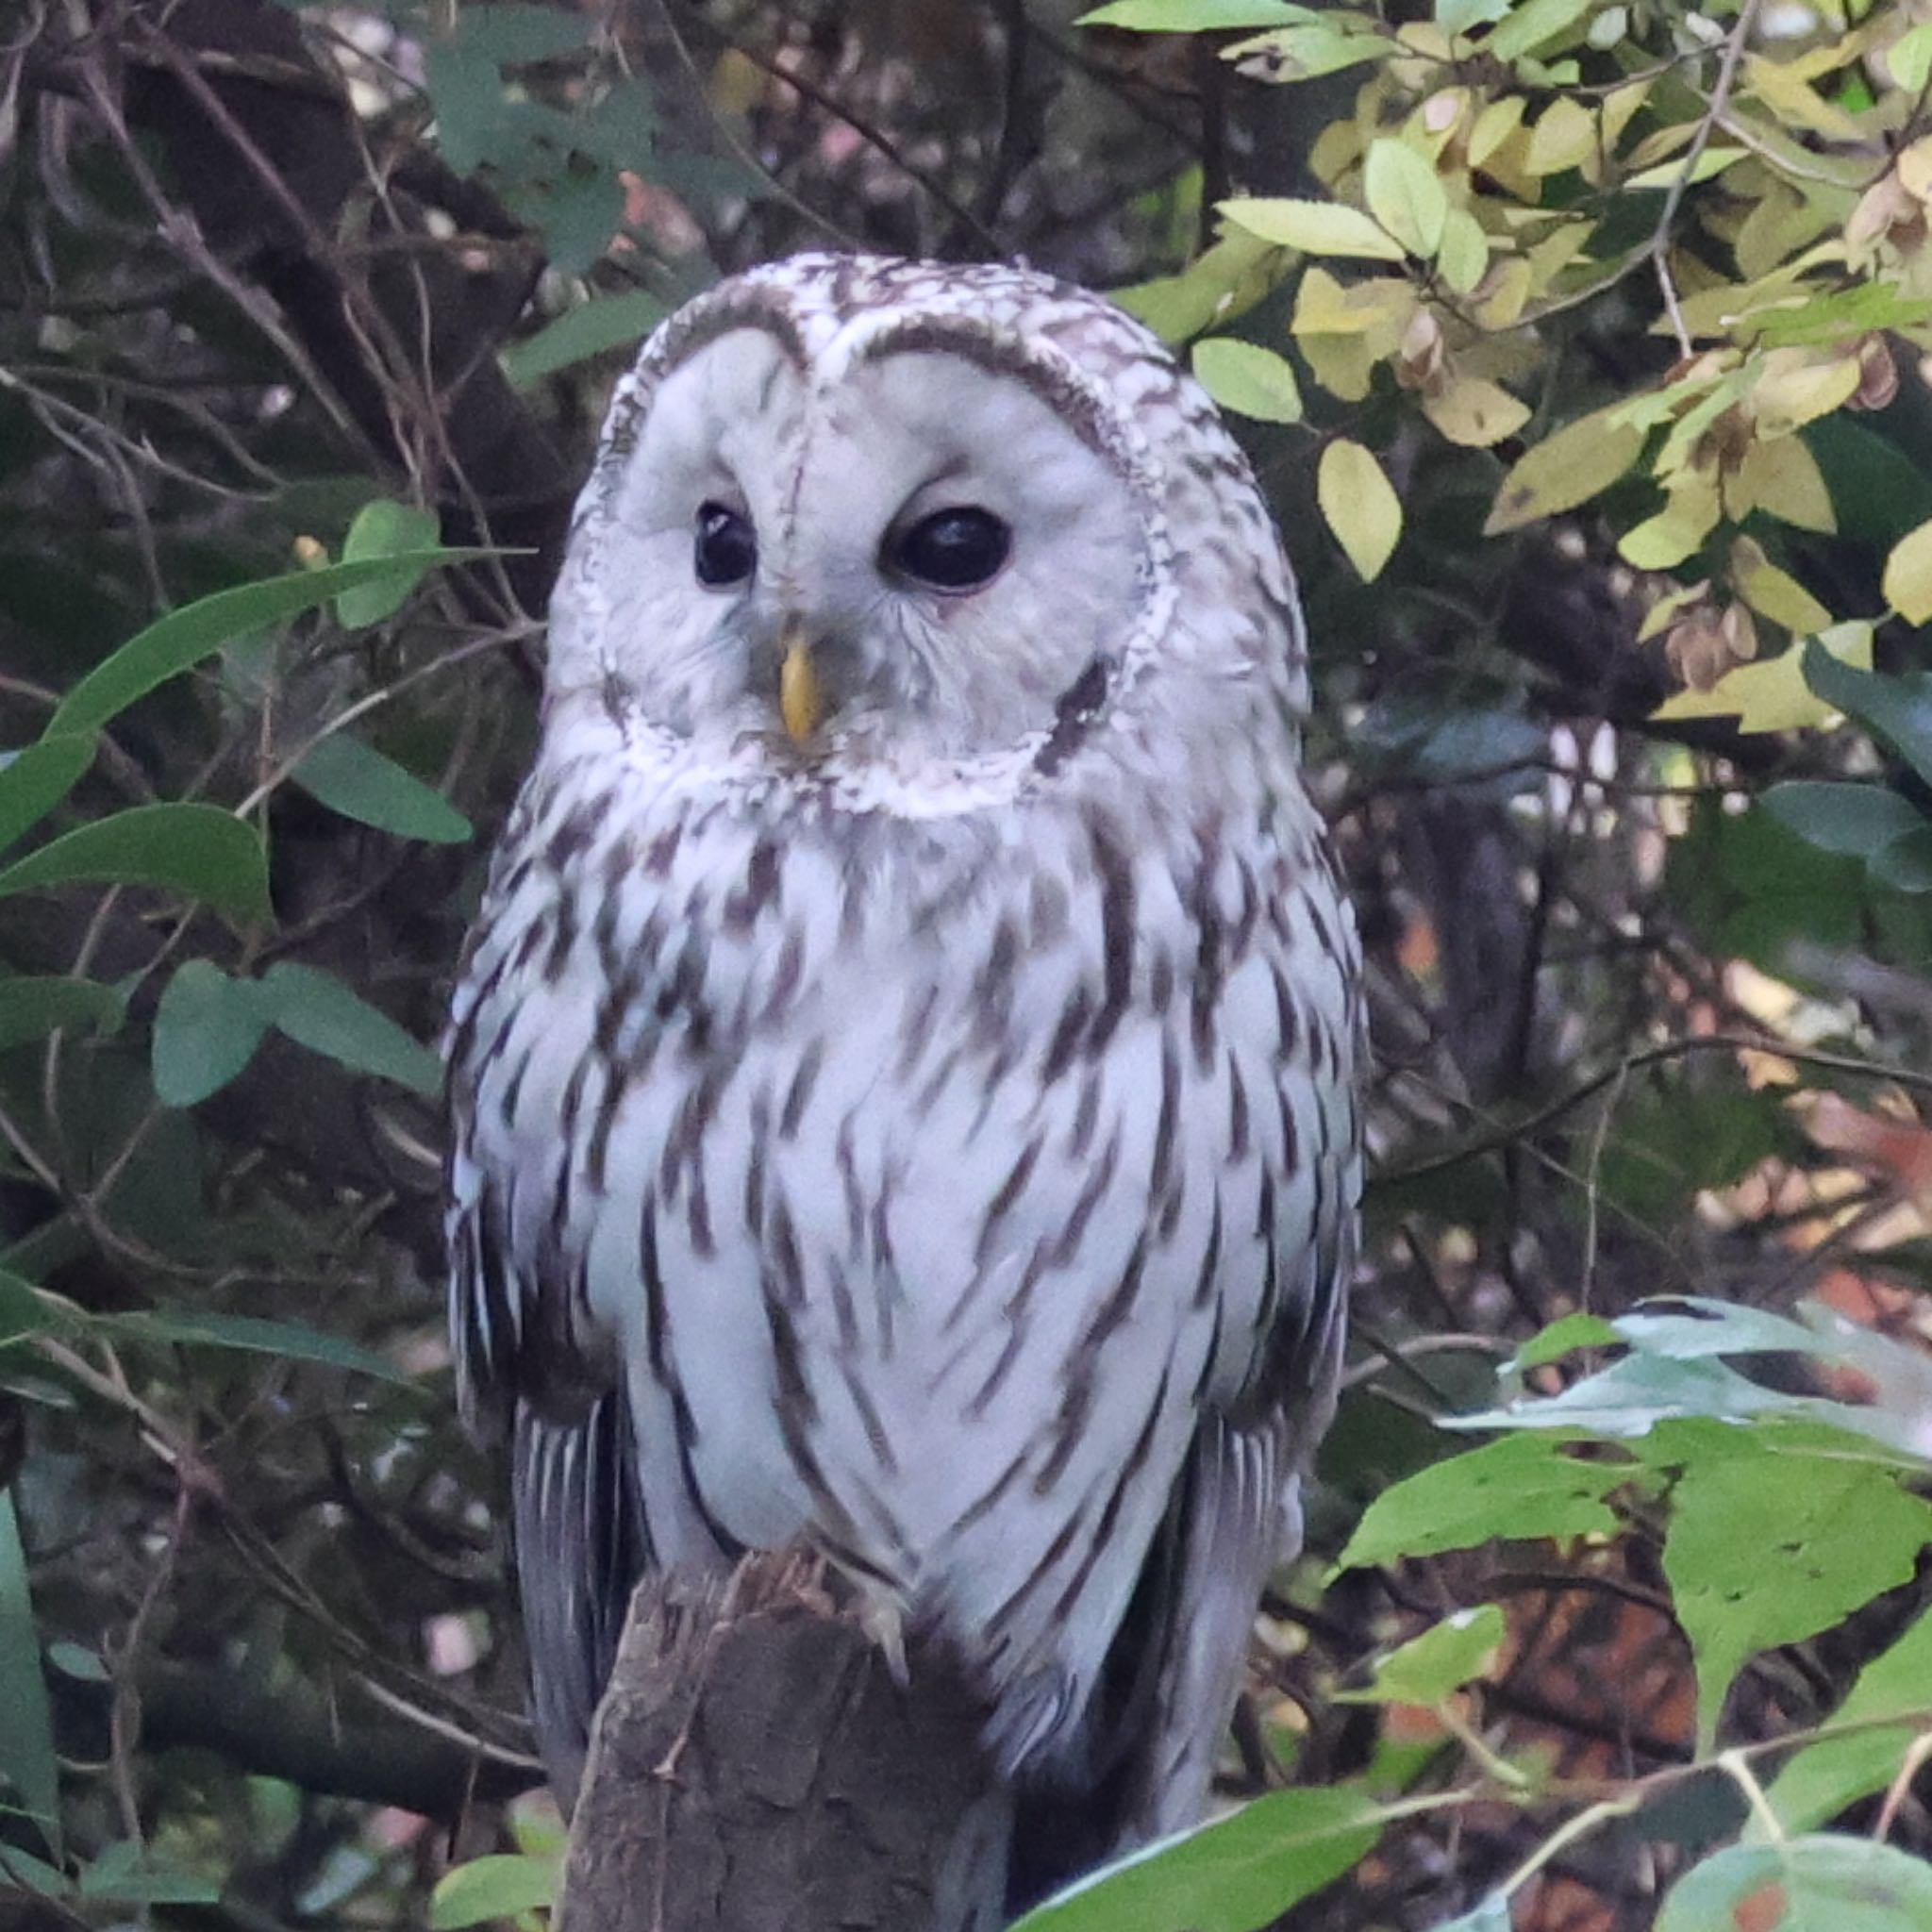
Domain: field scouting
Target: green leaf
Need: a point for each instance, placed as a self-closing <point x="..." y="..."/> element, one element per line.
<point x="501" y="1885"/>
<point x="285" y="1340"/>
<point x="196" y="850"/>
<point x="321" y="1014"/>
<point x="1359" y="505"/>
<point x="129" y="1873"/>
<point x="206" y="1030"/>
<point x="28" y="1763"/>
<point x="1563" y="1335"/>
<point x="1824" y="1778"/>
<point x="75" y="1660"/>
<point x="1533" y="25"/>
<point x="1492" y="1915"/>
<point x="1235" y="1875"/>
<point x="1443" y="1659"/>
<point x="1406" y="196"/>
<point x="1855" y="819"/>
<point x="32" y="1008"/>
<point x="182" y="639"/>
<point x="1909" y="58"/>
<point x="609" y="321"/>
<point x="360" y="782"/>
<point x="1767" y="1548"/>
<point x="1248" y="379"/>
<point x="1817" y="1883"/>
<point x="1895" y="709"/>
<point x="1316" y="227"/>
<point x="23" y="1310"/>
<point x="1520" y="1487"/>
<point x="384" y="531"/>
<point x="35" y="779"/>
<point x="1193" y="16"/>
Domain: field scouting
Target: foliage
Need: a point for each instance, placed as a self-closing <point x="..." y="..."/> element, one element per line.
<point x="1578" y="345"/>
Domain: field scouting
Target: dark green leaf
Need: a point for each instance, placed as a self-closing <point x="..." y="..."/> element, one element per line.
<point x="35" y="779"/>
<point x="1855" y="819"/>
<point x="360" y="782"/>
<point x="32" y="1008"/>
<point x="206" y="1029"/>
<point x="288" y="1340"/>
<point x="1895" y="709"/>
<point x="608" y="323"/>
<point x="129" y="1873"/>
<point x="1880" y="494"/>
<point x="183" y="638"/>
<point x="325" y="1016"/>
<point x="23" y="1310"/>
<point x="1819" y="1884"/>
<point x="196" y="850"/>
<point x="74" y="1661"/>
<point x="1520" y="1487"/>
<point x="1906" y="864"/>
<point x="384" y="531"/>
<point x="1234" y="1876"/>
<point x="501" y="1885"/>
<point x="28" y="1763"/>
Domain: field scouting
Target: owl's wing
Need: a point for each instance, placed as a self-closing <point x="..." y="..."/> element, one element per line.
<point x="530" y="1360"/>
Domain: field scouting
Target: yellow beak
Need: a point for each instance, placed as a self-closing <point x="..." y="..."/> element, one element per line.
<point x="800" y="701"/>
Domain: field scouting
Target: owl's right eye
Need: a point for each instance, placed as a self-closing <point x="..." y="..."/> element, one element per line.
<point x="727" y="548"/>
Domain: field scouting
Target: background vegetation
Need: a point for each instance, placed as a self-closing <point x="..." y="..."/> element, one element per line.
<point x="1580" y="345"/>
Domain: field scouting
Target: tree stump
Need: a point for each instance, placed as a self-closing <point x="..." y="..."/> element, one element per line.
<point x="754" y="1764"/>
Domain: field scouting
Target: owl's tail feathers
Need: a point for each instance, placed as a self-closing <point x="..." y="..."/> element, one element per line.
<point x="1162" y="1709"/>
<point x="580" y="1548"/>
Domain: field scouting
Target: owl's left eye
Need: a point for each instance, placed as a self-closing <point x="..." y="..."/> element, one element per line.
<point x="956" y="549"/>
<point x="726" y="550"/>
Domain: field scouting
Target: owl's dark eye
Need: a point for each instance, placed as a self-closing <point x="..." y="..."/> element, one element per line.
<point x="956" y="549"/>
<point x="726" y="547"/>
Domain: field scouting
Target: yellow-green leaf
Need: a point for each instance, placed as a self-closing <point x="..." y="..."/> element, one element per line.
<point x="1688" y="517"/>
<point x="1476" y="413"/>
<point x="1316" y="227"/>
<point x="1406" y="196"/>
<point x="1462" y="258"/>
<point x="1361" y="505"/>
<point x="1782" y="478"/>
<point x="1713" y="161"/>
<point x="1248" y="379"/>
<point x="1579" y="460"/>
<point x="1908" y="575"/>
<point x="1772" y="592"/>
<point x="1563" y="138"/>
<point x="1771" y="694"/>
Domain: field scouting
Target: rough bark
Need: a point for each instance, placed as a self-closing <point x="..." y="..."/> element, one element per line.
<point x="755" y="1763"/>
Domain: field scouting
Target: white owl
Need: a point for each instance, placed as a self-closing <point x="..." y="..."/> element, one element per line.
<point x="904" y="1075"/>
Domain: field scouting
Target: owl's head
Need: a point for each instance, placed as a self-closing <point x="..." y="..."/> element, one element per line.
<point x="852" y="514"/>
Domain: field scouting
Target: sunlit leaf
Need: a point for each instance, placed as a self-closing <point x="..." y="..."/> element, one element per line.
<point x="499" y="1886"/>
<point x="1406" y="196"/>
<point x="1532" y="25"/>
<point x="1908" y="575"/>
<point x="1316" y="227"/>
<point x="1359" y="505"/>
<point x="1772" y="592"/>
<point x="195" y="850"/>
<point x="1772" y="694"/>
<point x="1474" y="413"/>
<point x="1568" y="468"/>
<point x="1248" y="379"/>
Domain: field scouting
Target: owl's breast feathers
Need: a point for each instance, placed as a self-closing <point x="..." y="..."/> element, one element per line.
<point x="927" y="1189"/>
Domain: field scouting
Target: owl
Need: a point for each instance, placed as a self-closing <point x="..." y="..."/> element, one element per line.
<point x="904" y="1073"/>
